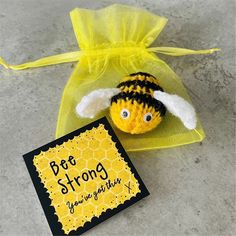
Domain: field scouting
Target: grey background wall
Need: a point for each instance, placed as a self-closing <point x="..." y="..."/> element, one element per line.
<point x="192" y="187"/>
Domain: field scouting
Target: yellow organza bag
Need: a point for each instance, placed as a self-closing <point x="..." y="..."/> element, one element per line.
<point x="114" y="42"/>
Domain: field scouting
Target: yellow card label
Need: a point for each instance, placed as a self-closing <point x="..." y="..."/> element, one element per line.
<point x="85" y="177"/>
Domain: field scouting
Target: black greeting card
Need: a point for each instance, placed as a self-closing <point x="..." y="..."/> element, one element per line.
<point x="84" y="178"/>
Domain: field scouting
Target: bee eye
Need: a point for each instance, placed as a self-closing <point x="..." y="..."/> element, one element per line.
<point x="125" y="113"/>
<point x="147" y="117"/>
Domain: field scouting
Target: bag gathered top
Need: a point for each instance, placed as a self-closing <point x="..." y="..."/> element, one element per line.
<point x="119" y="75"/>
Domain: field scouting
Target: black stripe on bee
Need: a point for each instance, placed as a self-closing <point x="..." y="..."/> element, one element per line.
<point x="143" y="74"/>
<point x="141" y="98"/>
<point x="141" y="83"/>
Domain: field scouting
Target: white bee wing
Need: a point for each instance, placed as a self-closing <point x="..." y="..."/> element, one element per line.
<point x="178" y="107"/>
<point x="95" y="102"/>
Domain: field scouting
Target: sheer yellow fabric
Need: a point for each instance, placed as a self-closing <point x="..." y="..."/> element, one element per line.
<point x="114" y="42"/>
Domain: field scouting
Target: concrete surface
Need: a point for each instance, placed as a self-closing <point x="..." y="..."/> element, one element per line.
<point x="192" y="187"/>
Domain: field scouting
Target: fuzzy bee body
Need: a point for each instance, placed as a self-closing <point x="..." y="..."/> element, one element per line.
<point x="134" y="109"/>
<point x="137" y="105"/>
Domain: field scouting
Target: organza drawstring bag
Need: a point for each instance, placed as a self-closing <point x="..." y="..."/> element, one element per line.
<point x="114" y="42"/>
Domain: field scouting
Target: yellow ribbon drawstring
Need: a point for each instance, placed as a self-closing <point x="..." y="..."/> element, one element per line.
<point x="180" y="51"/>
<point x="46" y="61"/>
<point x="75" y="56"/>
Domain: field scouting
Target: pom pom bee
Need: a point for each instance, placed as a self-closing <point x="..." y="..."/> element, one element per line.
<point x="137" y="105"/>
